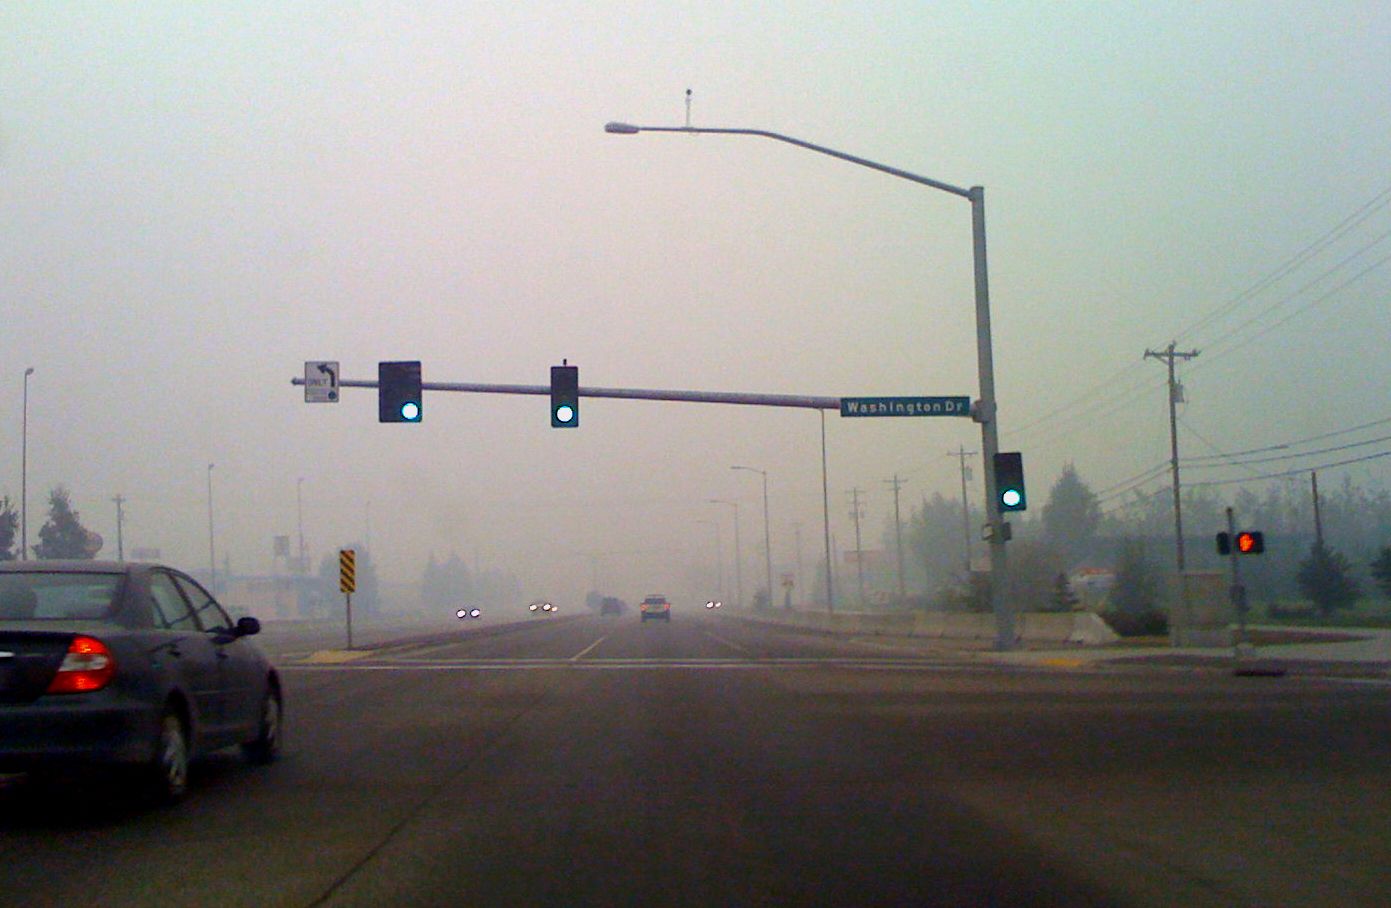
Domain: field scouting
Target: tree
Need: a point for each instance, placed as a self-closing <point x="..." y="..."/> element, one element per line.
<point x="1381" y="570"/>
<point x="934" y="547"/>
<point x="1136" y="586"/>
<point x="1064" y="599"/>
<point x="1325" y="577"/>
<point x="1071" y="515"/>
<point x="63" y="535"/>
<point x="9" y="525"/>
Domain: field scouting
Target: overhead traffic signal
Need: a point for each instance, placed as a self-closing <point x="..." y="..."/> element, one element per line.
<point x="398" y="392"/>
<point x="1247" y="542"/>
<point x="1009" y="481"/>
<point x="565" y="396"/>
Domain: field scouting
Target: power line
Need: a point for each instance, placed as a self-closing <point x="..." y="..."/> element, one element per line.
<point x="1296" y="472"/>
<point x="1298" y="260"/>
<point x="1119" y="396"/>
<point x="1284" y="445"/>
<point x="1296" y="456"/>
<point x="1305" y="308"/>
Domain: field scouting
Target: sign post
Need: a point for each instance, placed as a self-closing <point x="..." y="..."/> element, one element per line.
<point x="347" y="585"/>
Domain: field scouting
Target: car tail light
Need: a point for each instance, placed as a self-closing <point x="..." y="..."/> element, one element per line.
<point x="87" y="666"/>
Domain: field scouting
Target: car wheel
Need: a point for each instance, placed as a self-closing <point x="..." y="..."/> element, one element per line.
<point x="167" y="773"/>
<point x="265" y="747"/>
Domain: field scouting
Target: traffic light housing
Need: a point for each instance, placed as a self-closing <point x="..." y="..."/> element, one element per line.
<point x="1009" y="481"/>
<point x="565" y="397"/>
<point x="1247" y="542"/>
<point x="398" y="392"/>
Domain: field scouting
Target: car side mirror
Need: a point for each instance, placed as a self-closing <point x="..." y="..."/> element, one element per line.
<point x="248" y="626"/>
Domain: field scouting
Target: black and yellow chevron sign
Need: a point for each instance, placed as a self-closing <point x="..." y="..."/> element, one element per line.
<point x="347" y="571"/>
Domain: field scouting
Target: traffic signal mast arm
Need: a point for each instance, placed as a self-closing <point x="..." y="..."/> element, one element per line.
<point x="708" y="397"/>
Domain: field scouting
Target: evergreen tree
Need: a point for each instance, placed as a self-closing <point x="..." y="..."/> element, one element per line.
<point x="63" y="535"/>
<point x="1325" y="577"/>
<point x="9" y="529"/>
<point x="1071" y="515"/>
<point x="1136" y="586"/>
<point x="1064" y="599"/>
<point x="1381" y="570"/>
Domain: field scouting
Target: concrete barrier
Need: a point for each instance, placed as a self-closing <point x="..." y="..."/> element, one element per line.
<point x="1084" y="628"/>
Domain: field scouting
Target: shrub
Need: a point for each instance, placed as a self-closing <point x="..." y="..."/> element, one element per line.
<point x="1150" y="623"/>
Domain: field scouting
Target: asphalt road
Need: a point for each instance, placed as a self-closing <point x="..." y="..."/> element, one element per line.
<point x="597" y="761"/>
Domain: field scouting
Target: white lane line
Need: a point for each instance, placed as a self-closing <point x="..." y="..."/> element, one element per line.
<point x="645" y="665"/>
<point x="584" y="652"/>
<point x="729" y="643"/>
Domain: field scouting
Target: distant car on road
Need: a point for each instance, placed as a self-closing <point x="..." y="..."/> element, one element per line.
<point x="656" y="607"/>
<point x="542" y="608"/>
<point x="611" y="605"/>
<point x="130" y="665"/>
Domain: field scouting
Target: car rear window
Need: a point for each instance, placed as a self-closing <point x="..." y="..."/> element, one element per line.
<point x="57" y="596"/>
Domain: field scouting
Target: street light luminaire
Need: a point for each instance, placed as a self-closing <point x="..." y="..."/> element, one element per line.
<point x="621" y="129"/>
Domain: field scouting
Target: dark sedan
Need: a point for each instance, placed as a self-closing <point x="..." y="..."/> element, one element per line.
<point x="126" y="664"/>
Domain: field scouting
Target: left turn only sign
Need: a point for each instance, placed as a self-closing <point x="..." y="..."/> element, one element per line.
<point x="321" y="382"/>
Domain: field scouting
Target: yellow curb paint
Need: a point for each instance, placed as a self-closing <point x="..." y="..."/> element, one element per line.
<point x="336" y="655"/>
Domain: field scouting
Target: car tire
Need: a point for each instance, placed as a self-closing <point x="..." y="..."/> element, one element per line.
<point x="265" y="747"/>
<point x="166" y="775"/>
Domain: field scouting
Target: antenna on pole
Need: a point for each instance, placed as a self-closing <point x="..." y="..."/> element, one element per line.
<point x="688" y="108"/>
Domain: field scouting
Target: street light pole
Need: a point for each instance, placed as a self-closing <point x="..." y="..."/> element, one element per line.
<point x="767" y="545"/>
<point x="985" y="410"/>
<point x="24" y="473"/>
<point x="738" y="570"/>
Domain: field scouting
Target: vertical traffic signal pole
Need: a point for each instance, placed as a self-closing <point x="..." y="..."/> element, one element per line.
<point x="1238" y="592"/>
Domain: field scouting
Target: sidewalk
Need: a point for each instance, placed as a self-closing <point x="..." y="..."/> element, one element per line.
<point x="1366" y="656"/>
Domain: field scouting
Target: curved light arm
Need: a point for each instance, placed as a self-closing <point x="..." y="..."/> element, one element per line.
<point x="627" y="129"/>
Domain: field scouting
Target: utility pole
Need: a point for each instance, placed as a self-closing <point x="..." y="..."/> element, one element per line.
<point x="1318" y="514"/>
<point x="120" y="519"/>
<point x="961" y="454"/>
<point x="898" y="533"/>
<point x="1168" y="355"/>
<point x="856" y="513"/>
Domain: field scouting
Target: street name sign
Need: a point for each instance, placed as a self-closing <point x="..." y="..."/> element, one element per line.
<point x="905" y="406"/>
<point x="321" y="382"/>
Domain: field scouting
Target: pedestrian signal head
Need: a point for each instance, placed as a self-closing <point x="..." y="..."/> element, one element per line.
<point x="1250" y="543"/>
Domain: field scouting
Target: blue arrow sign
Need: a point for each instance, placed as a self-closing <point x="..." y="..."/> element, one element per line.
<point x="905" y="406"/>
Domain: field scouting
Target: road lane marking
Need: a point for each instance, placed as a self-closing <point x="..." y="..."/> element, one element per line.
<point x="649" y="665"/>
<point x="584" y="652"/>
<point x="729" y="643"/>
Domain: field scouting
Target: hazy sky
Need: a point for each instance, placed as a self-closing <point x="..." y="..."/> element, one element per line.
<point x="198" y="198"/>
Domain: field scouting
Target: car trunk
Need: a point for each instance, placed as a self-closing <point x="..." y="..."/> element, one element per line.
<point x="29" y="658"/>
